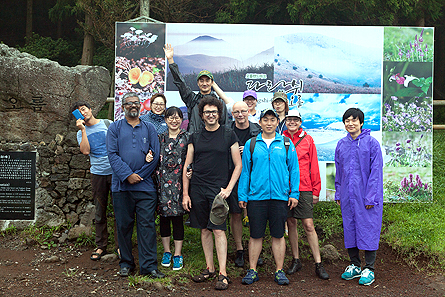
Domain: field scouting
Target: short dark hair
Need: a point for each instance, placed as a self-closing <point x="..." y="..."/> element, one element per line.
<point x="210" y="100"/>
<point x="130" y="95"/>
<point x="80" y="104"/>
<point x="172" y="110"/>
<point x="355" y="113"/>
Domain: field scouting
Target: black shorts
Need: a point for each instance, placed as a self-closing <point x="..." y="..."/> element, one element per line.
<point x="233" y="200"/>
<point x="202" y="199"/>
<point x="261" y="211"/>
<point x="305" y="207"/>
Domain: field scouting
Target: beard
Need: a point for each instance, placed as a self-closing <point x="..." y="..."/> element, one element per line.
<point x="132" y="113"/>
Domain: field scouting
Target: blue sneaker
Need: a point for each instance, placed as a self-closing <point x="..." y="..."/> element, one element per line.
<point x="250" y="278"/>
<point x="281" y="278"/>
<point x="178" y="262"/>
<point x="367" y="277"/>
<point x="351" y="272"/>
<point x="166" y="259"/>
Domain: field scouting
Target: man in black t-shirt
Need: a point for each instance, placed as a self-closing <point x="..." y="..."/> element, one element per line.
<point x="210" y="150"/>
<point x="245" y="130"/>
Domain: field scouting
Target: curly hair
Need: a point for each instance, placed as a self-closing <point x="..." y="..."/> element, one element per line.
<point x="213" y="101"/>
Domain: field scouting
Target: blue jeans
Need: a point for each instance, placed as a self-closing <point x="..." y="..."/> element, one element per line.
<point x="143" y="204"/>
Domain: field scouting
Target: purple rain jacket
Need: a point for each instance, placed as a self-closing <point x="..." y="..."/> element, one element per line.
<point x="359" y="182"/>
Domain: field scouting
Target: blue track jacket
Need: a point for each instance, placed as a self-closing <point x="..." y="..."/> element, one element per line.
<point x="272" y="176"/>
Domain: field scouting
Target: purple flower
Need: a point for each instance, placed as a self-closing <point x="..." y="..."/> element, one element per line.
<point x="411" y="177"/>
<point x="419" y="149"/>
<point x="408" y="140"/>
<point x="398" y="144"/>
<point x="398" y="148"/>
<point x="394" y="98"/>
<point x="425" y="186"/>
<point x="420" y="37"/>
<point x="426" y="48"/>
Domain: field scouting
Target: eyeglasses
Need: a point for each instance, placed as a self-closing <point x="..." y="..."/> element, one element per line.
<point x="171" y="119"/>
<point x="235" y="113"/>
<point x="278" y="102"/>
<point x="249" y="99"/>
<point x="158" y="104"/>
<point x="210" y="112"/>
<point x="128" y="104"/>
<point x="293" y="120"/>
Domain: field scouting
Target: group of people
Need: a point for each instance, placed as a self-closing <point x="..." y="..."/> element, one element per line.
<point x="262" y="161"/>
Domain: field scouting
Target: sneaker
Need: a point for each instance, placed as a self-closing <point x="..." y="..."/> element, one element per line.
<point x="281" y="278"/>
<point x="294" y="266"/>
<point x="320" y="271"/>
<point x="367" y="277"/>
<point x="250" y="278"/>
<point x="239" y="260"/>
<point x="166" y="259"/>
<point x="178" y="262"/>
<point x="351" y="272"/>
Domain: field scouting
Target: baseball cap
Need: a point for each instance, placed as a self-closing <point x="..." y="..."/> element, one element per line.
<point x="251" y="93"/>
<point x="205" y="73"/>
<point x="293" y="113"/>
<point x="268" y="111"/>
<point x="279" y="95"/>
<point x="219" y="211"/>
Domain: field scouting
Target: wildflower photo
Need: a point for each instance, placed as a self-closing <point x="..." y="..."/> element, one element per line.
<point x="408" y="149"/>
<point x="402" y="186"/>
<point x="408" y="44"/>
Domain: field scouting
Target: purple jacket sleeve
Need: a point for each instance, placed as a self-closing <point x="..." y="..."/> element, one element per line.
<point x="337" y="173"/>
<point x="374" y="188"/>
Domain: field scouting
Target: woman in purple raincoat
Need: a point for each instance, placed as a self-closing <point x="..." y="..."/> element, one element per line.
<point x="359" y="192"/>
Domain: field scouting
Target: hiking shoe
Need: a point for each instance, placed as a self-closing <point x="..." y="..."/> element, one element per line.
<point x="239" y="260"/>
<point x="351" y="272"/>
<point x="294" y="266"/>
<point x="281" y="278"/>
<point x="250" y="278"/>
<point x="178" y="262"/>
<point x="166" y="259"/>
<point x="367" y="277"/>
<point x="320" y="271"/>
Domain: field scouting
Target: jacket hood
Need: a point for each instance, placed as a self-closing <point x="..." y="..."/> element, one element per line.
<point x="365" y="132"/>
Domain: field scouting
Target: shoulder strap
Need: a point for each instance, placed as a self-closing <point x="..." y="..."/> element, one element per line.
<point x="286" y="143"/>
<point x="252" y="148"/>
<point x="107" y="123"/>
<point x="300" y="140"/>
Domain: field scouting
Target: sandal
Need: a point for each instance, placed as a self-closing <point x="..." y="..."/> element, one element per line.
<point x="220" y="284"/>
<point x="95" y="256"/>
<point x="203" y="276"/>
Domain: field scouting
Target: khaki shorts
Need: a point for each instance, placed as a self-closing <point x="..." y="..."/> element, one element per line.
<point x="305" y="207"/>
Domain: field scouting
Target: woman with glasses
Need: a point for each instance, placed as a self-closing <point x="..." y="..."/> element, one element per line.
<point x="173" y="151"/>
<point x="156" y="113"/>
<point x="310" y="186"/>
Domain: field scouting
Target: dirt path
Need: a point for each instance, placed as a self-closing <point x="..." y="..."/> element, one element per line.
<point x="27" y="271"/>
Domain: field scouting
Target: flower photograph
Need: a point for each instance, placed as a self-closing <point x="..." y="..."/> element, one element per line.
<point x="408" y="44"/>
<point x="410" y="149"/>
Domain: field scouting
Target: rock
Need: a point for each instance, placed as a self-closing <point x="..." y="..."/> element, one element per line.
<point x="42" y="93"/>
<point x="59" y="139"/>
<point x="52" y="259"/>
<point x="73" y="218"/>
<point x="77" y="231"/>
<point x="43" y="198"/>
<point x="45" y="217"/>
<point x="80" y="162"/>
<point x="88" y="216"/>
<point x="329" y="252"/>
<point x="158" y="286"/>
<point x="109" y="258"/>
<point x="76" y="183"/>
<point x="63" y="238"/>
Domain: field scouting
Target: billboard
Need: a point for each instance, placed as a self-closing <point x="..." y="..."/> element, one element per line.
<point x="385" y="71"/>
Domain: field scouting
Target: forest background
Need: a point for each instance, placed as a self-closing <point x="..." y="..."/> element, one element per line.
<point x="74" y="32"/>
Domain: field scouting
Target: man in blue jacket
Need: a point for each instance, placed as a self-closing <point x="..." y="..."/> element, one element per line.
<point x="128" y="142"/>
<point x="268" y="186"/>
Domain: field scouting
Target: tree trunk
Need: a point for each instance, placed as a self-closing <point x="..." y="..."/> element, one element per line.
<point x="88" y="42"/>
<point x="145" y="8"/>
<point x="28" y="20"/>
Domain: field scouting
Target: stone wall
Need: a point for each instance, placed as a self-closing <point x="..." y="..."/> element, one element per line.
<point x="36" y="96"/>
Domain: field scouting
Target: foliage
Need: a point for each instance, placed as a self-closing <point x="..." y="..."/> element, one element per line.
<point x="408" y="44"/>
<point x="413" y="151"/>
<point x="85" y="240"/>
<point x="58" y="50"/>
<point x="42" y="235"/>
<point x="407" y="116"/>
<point x="11" y="230"/>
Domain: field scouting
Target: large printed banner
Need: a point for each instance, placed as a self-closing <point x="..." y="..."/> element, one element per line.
<point x="385" y="71"/>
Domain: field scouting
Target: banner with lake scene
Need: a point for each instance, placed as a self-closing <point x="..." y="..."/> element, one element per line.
<point x="385" y="71"/>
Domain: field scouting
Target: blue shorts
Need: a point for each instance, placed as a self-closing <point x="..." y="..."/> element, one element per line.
<point x="261" y="211"/>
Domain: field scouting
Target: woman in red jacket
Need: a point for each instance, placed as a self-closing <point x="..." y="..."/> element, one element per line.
<point x="310" y="186"/>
